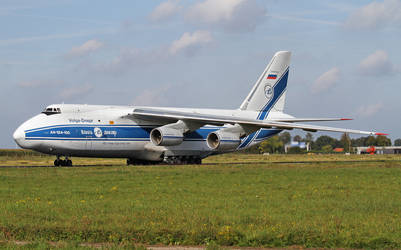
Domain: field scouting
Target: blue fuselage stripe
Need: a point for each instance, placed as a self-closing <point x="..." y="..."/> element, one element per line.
<point x="106" y="132"/>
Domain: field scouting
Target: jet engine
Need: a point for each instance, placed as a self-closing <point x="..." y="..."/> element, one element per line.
<point x="223" y="141"/>
<point x="166" y="136"/>
<point x="171" y="134"/>
<point x="228" y="138"/>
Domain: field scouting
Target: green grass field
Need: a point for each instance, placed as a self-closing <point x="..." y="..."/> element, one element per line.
<point x="331" y="201"/>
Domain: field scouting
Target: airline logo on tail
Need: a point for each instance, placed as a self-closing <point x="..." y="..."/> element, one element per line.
<point x="268" y="91"/>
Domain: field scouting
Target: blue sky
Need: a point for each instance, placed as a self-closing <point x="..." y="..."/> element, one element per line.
<point x="346" y="57"/>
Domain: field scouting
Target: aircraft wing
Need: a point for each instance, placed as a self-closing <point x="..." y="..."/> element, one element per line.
<point x="173" y="116"/>
<point x="310" y="119"/>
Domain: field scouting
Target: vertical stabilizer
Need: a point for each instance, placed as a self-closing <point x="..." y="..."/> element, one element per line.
<point x="268" y="93"/>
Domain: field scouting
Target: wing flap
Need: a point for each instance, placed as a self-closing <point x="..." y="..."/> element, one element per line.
<point x="315" y="128"/>
<point x="311" y="119"/>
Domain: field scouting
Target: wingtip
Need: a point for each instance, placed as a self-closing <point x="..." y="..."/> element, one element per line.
<point x="346" y="119"/>
<point x="381" y="134"/>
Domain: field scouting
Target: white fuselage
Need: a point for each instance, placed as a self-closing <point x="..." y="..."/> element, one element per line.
<point x="108" y="131"/>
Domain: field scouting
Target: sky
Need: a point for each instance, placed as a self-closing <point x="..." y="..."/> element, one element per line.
<point x="346" y="56"/>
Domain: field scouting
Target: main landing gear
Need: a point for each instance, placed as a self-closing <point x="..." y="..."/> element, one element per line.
<point x="176" y="160"/>
<point x="66" y="162"/>
<point x="140" y="162"/>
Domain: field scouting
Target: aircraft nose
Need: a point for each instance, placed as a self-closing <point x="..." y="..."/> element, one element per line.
<point x="19" y="137"/>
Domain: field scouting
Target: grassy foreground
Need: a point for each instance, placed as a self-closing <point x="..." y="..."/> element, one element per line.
<point x="351" y="204"/>
<point x="19" y="157"/>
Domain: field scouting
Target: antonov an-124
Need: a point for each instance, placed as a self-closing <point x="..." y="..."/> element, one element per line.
<point x="146" y="135"/>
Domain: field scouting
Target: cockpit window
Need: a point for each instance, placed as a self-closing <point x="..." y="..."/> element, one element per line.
<point x="51" y="111"/>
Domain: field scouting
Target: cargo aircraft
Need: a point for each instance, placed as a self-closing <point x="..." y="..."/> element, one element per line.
<point x="146" y="135"/>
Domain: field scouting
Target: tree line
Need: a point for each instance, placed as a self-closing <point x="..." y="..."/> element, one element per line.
<point x="322" y="143"/>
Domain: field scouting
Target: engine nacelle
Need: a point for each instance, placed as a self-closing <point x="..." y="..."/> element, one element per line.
<point x="223" y="141"/>
<point x="166" y="136"/>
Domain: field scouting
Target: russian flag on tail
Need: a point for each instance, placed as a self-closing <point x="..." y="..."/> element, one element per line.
<point x="271" y="76"/>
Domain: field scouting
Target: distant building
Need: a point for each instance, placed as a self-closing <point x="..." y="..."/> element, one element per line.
<point x="379" y="150"/>
<point x="299" y="144"/>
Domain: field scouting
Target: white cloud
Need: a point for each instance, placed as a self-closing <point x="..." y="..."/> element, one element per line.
<point x="326" y="80"/>
<point x="85" y="49"/>
<point x="189" y="42"/>
<point x="152" y="97"/>
<point x="376" y="64"/>
<point x="369" y="110"/>
<point x="375" y="15"/>
<point x="134" y="58"/>
<point x="231" y="15"/>
<point x="165" y="10"/>
<point x="126" y="59"/>
<point x="76" y="91"/>
<point x="130" y="59"/>
<point x="214" y="11"/>
<point x="32" y="83"/>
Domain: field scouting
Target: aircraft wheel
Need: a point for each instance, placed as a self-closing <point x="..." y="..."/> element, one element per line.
<point x="169" y="160"/>
<point x="186" y="160"/>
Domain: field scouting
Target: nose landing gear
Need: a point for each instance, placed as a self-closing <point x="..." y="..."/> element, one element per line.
<point x="66" y="162"/>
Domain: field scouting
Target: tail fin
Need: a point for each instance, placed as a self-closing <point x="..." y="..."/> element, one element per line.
<point x="269" y="90"/>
